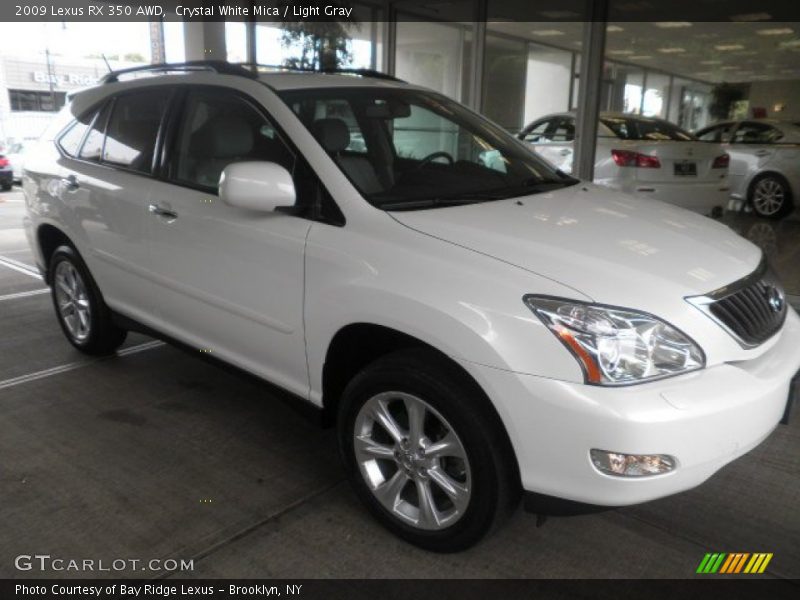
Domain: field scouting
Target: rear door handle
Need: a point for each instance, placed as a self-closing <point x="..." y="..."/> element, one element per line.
<point x="165" y="214"/>
<point x="70" y="182"/>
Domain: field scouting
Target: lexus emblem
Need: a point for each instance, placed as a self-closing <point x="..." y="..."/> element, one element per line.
<point x="774" y="298"/>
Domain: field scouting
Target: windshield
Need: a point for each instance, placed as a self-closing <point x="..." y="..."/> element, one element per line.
<point x="405" y="149"/>
<point x="646" y="129"/>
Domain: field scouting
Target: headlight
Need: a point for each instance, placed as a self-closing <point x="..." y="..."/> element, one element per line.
<point x="616" y="346"/>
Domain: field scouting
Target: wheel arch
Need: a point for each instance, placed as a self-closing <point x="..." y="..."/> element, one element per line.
<point x="356" y="345"/>
<point x="49" y="237"/>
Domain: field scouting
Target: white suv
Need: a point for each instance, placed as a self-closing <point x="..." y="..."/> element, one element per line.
<point x="477" y="324"/>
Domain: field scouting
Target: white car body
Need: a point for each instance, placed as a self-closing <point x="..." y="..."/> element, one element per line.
<point x="757" y="147"/>
<point x="705" y="190"/>
<point x="15" y="156"/>
<point x="452" y="278"/>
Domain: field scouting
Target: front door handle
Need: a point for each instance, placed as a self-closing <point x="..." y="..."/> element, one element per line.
<point x="70" y="183"/>
<point x="165" y="214"/>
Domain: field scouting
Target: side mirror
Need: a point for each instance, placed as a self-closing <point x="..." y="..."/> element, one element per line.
<point x="256" y="185"/>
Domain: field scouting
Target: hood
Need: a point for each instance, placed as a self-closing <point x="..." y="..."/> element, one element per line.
<point x="611" y="247"/>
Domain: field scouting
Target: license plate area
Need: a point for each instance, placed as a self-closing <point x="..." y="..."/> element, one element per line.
<point x="794" y="393"/>
<point x="685" y="168"/>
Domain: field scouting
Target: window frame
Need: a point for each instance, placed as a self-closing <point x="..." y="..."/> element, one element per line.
<point x="168" y="138"/>
<point x="171" y="92"/>
<point x="98" y="108"/>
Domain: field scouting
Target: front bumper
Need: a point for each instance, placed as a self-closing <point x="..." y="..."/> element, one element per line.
<point x="704" y="419"/>
<point x="695" y="196"/>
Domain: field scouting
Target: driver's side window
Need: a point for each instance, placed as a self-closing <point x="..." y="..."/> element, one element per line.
<point x="538" y="133"/>
<point x="219" y="128"/>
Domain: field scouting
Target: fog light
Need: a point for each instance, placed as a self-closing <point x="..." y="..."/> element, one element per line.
<point x="631" y="465"/>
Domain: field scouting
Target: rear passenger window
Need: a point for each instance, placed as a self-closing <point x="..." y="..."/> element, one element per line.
<point x="70" y="140"/>
<point x="132" y="130"/>
<point x="93" y="145"/>
<point x="219" y="128"/>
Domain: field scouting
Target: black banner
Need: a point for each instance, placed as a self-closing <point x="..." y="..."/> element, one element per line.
<point x="395" y="10"/>
<point x="416" y="589"/>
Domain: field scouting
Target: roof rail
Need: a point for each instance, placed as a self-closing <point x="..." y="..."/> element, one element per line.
<point x="217" y="66"/>
<point x="343" y="71"/>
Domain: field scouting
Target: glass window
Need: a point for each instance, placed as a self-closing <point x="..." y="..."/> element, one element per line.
<point x="24" y="100"/>
<point x="427" y="151"/>
<point x="756" y="133"/>
<point x="654" y="103"/>
<point x="70" y="140"/>
<point x="505" y="81"/>
<point x="132" y="130"/>
<point x="537" y="133"/>
<point x="93" y="144"/>
<point x="718" y="133"/>
<point x="435" y="55"/>
<point x="219" y="128"/>
<point x="564" y="130"/>
<point x="646" y="129"/>
<point x="551" y="70"/>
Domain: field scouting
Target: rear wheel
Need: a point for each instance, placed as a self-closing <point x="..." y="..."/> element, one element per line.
<point x="771" y="197"/>
<point x="6" y="187"/>
<point x="84" y="317"/>
<point x="425" y="452"/>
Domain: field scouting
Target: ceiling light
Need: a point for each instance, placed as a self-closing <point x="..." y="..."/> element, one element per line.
<point x="762" y="16"/>
<point x="710" y="62"/>
<point x="776" y="31"/>
<point x="672" y="50"/>
<point x="547" y="32"/>
<point x="614" y="29"/>
<point x="729" y="68"/>
<point x="641" y="57"/>
<point x="729" y="47"/>
<point x="621" y="52"/>
<point x="791" y="44"/>
<point x="672" y="24"/>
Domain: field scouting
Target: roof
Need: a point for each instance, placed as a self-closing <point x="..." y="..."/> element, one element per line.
<point x="292" y="81"/>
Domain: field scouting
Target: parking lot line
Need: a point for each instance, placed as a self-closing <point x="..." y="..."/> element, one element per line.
<point x="20" y="267"/>
<point x="24" y="294"/>
<point x="15" y="381"/>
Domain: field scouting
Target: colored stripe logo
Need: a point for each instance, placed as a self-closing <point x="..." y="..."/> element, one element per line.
<point x="734" y="562"/>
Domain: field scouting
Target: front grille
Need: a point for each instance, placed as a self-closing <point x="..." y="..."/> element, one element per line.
<point x="752" y="309"/>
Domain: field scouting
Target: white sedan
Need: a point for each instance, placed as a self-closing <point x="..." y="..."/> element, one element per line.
<point x="765" y="162"/>
<point x="641" y="156"/>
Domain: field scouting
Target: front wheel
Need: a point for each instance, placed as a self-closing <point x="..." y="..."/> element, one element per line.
<point x="425" y="452"/>
<point x="771" y="197"/>
<point x="84" y="317"/>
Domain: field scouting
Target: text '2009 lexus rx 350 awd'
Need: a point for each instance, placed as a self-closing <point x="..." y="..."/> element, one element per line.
<point x="478" y="325"/>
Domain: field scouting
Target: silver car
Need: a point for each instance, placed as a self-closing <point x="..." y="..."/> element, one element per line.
<point x="641" y="156"/>
<point x="765" y="162"/>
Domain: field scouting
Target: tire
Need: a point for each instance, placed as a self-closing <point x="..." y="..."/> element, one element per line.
<point x="771" y="197"/>
<point x="83" y="315"/>
<point x="484" y="484"/>
<point x="6" y="187"/>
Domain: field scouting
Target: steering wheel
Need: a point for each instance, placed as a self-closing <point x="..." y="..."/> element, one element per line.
<point x="433" y="156"/>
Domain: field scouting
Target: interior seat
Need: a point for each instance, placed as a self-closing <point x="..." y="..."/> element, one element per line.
<point x="334" y="136"/>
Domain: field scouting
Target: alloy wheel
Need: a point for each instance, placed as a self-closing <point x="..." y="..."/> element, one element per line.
<point x="72" y="301"/>
<point x="768" y="196"/>
<point x="412" y="460"/>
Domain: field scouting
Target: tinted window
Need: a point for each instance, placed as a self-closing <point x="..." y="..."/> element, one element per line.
<point x="133" y="127"/>
<point x="219" y="128"/>
<point x="564" y="131"/>
<point x="93" y="145"/>
<point x="646" y="129"/>
<point x="536" y="134"/>
<point x="426" y="149"/>
<point x="70" y="140"/>
<point x="756" y="133"/>
<point x="719" y="133"/>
